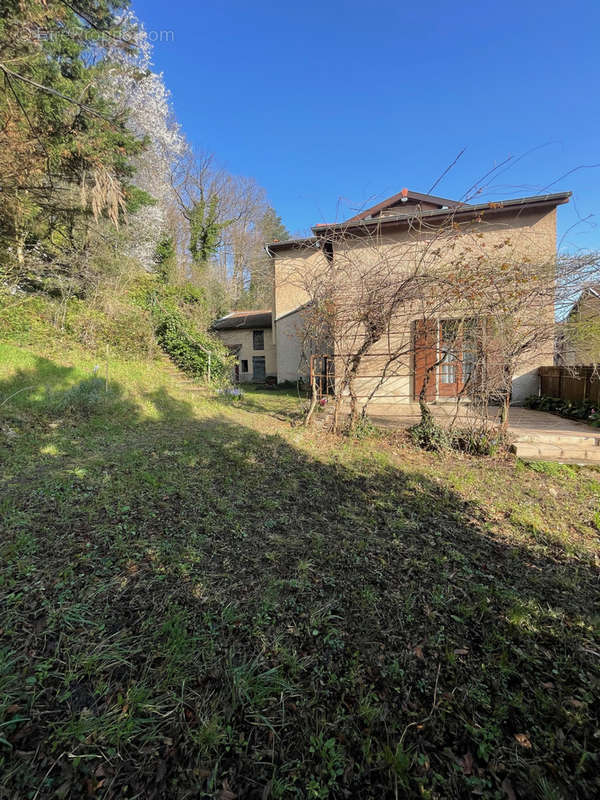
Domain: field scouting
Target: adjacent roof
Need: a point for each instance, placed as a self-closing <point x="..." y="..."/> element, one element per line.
<point x="306" y="241"/>
<point x="243" y="320"/>
<point x="588" y="291"/>
<point x="395" y="211"/>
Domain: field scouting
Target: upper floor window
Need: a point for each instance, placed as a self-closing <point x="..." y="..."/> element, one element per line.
<point x="258" y="340"/>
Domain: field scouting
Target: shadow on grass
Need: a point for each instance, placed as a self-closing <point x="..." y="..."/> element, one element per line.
<point x="284" y="403"/>
<point x="27" y="387"/>
<point x="191" y="607"/>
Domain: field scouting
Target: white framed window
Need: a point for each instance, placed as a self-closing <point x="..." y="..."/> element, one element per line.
<point x="448" y="371"/>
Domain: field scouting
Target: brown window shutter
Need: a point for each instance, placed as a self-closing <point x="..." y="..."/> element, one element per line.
<point x="425" y="355"/>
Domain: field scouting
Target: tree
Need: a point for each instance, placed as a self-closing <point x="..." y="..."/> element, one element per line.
<point x="362" y="302"/>
<point x="141" y="97"/>
<point x="258" y="286"/>
<point x="165" y="259"/>
<point x="205" y="229"/>
<point x="67" y="153"/>
<point x="228" y="221"/>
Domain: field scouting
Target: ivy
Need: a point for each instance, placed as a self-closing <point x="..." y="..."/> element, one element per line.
<point x="205" y="229"/>
<point x="190" y="349"/>
<point x="175" y="311"/>
<point x="165" y="259"/>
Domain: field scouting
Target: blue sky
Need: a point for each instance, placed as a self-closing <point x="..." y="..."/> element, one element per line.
<point x="332" y="106"/>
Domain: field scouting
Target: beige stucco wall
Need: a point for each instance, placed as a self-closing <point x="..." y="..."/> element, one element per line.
<point x="244" y="338"/>
<point x="294" y="269"/>
<point x="292" y="361"/>
<point x="528" y="236"/>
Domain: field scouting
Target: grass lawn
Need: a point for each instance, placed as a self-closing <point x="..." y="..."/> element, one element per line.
<point x="204" y="600"/>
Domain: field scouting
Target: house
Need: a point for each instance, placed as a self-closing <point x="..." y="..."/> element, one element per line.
<point x="401" y="229"/>
<point x="579" y="342"/>
<point x="249" y="336"/>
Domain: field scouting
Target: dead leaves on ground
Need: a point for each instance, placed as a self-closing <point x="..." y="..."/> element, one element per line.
<point x="523" y="740"/>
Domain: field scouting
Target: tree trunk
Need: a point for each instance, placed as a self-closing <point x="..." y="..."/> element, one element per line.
<point x="336" y="413"/>
<point x="424" y="408"/>
<point x="353" y="403"/>
<point x="507" y="390"/>
<point x="313" y="399"/>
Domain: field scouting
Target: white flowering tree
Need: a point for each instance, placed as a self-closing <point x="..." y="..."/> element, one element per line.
<point x="141" y="95"/>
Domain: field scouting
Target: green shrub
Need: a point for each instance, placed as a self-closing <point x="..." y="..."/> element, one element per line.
<point x="189" y="348"/>
<point x="363" y="428"/>
<point x="149" y="294"/>
<point x="38" y="319"/>
<point x="430" y="435"/>
<point x="84" y="399"/>
<point x="25" y="318"/>
<point x="132" y="323"/>
<point x="127" y="329"/>
<point x="585" y="412"/>
<point x="479" y="442"/>
<point x="551" y="468"/>
<point x="179" y="315"/>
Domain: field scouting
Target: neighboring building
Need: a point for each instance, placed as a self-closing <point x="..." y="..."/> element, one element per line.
<point x="579" y="343"/>
<point x="529" y="224"/>
<point x="249" y="336"/>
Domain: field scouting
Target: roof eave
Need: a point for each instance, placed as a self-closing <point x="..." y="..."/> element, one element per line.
<point x="308" y="241"/>
<point x="234" y="321"/>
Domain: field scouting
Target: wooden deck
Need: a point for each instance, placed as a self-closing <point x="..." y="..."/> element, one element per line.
<point x="537" y="434"/>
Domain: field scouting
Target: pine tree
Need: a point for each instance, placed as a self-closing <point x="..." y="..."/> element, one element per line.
<point x="65" y="156"/>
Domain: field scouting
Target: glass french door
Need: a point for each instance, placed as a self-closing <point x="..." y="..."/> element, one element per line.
<point x="457" y="353"/>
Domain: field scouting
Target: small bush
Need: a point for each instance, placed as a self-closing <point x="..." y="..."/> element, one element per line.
<point x="126" y="329"/>
<point x="551" y="468"/>
<point x="179" y="314"/>
<point x="33" y="319"/>
<point x="25" y="318"/>
<point x="84" y="399"/>
<point x="480" y="442"/>
<point x="430" y="435"/>
<point x="363" y="428"/>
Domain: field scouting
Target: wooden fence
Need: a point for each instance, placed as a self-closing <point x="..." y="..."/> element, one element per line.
<point x="575" y="384"/>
